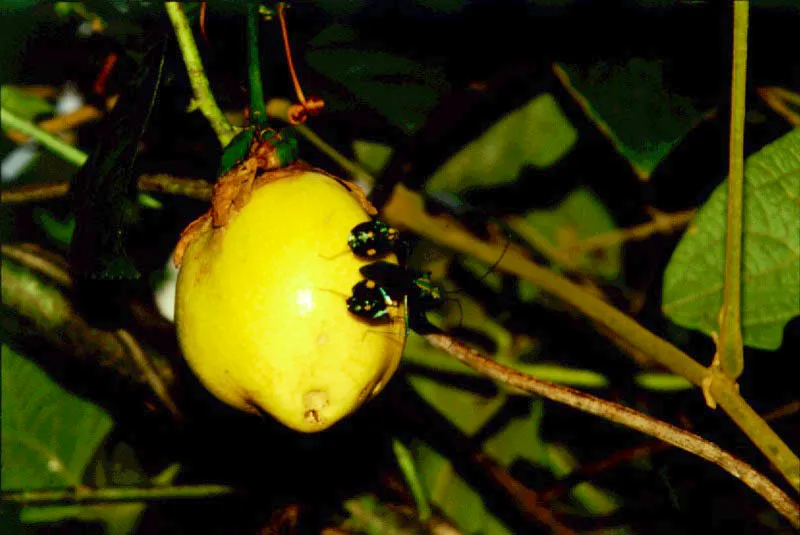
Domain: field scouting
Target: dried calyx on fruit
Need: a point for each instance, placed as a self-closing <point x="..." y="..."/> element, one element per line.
<point x="261" y="305"/>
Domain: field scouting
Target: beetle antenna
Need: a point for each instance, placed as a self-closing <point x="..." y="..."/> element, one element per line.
<point x="334" y="256"/>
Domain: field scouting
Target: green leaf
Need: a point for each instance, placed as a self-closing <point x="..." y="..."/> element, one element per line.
<point x="448" y="490"/>
<point x="592" y="498"/>
<point x="60" y="231"/>
<point x="371" y="517"/>
<point x="693" y="280"/>
<point x="581" y="215"/>
<point x="630" y="103"/>
<point x="467" y="410"/>
<point x="536" y="134"/>
<point x="373" y="157"/>
<point x="520" y="440"/>
<point x="400" y="89"/>
<point x="23" y="105"/>
<point x="662" y="382"/>
<point x="48" y="434"/>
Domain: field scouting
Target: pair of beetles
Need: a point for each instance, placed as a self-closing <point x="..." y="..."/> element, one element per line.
<point x="385" y="284"/>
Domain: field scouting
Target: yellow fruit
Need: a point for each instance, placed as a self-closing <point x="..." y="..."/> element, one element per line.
<point x="261" y="312"/>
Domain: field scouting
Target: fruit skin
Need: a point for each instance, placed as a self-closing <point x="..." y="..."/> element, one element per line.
<point x="261" y="307"/>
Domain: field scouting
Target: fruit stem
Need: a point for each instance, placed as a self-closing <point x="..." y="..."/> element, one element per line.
<point x="258" y="112"/>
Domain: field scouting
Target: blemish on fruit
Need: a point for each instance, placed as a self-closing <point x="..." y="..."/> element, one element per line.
<point x="314" y="401"/>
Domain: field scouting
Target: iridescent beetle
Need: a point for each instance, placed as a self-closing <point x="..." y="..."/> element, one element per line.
<point x="385" y="286"/>
<point x="373" y="239"/>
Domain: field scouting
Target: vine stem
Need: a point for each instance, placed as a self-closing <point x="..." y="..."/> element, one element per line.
<point x="83" y="495"/>
<point x="52" y="143"/>
<point x="730" y="348"/>
<point x="278" y="108"/>
<point x="197" y="74"/>
<point x="614" y="412"/>
<point x="258" y="111"/>
<point x="405" y="210"/>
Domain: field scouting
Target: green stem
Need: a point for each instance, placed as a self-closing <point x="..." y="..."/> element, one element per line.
<point x="52" y="143"/>
<point x="730" y="345"/>
<point x="197" y="75"/>
<point x="279" y="109"/>
<point x="258" y="110"/>
<point x="81" y="495"/>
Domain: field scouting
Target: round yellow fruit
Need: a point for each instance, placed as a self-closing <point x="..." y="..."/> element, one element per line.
<point x="261" y="307"/>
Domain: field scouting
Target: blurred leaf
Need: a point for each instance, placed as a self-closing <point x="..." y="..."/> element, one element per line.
<point x="467" y="410"/>
<point x="452" y="495"/>
<point x="373" y="157"/>
<point x="536" y="134"/>
<point x="663" y="382"/>
<point x="520" y="439"/>
<point x="396" y="87"/>
<point x="409" y="469"/>
<point x="592" y="498"/>
<point x="371" y="517"/>
<point x="48" y="434"/>
<point x="60" y="231"/>
<point x="580" y="215"/>
<point x="693" y="280"/>
<point x="23" y="105"/>
<point x="630" y="103"/>
<point x="563" y="375"/>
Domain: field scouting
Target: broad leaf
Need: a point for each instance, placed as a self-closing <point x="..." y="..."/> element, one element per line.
<point x="372" y="156"/>
<point x="398" y="88"/>
<point x="581" y="215"/>
<point x="448" y="490"/>
<point x="693" y="281"/>
<point x="466" y="409"/>
<point x="630" y="103"/>
<point x="537" y="134"/>
<point x="48" y="434"/>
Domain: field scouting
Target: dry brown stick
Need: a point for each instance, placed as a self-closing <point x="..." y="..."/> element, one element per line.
<point x="60" y="123"/>
<point x="627" y="417"/>
<point x="156" y="183"/>
<point x="662" y="223"/>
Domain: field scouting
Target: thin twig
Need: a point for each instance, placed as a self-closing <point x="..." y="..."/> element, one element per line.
<point x="156" y="183"/>
<point x="86" y="495"/>
<point x="627" y="417"/>
<point x="197" y="75"/>
<point x="52" y="143"/>
<point x="628" y="455"/>
<point x="662" y="223"/>
<point x="730" y="348"/>
<point x="779" y="100"/>
<point x="151" y="376"/>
